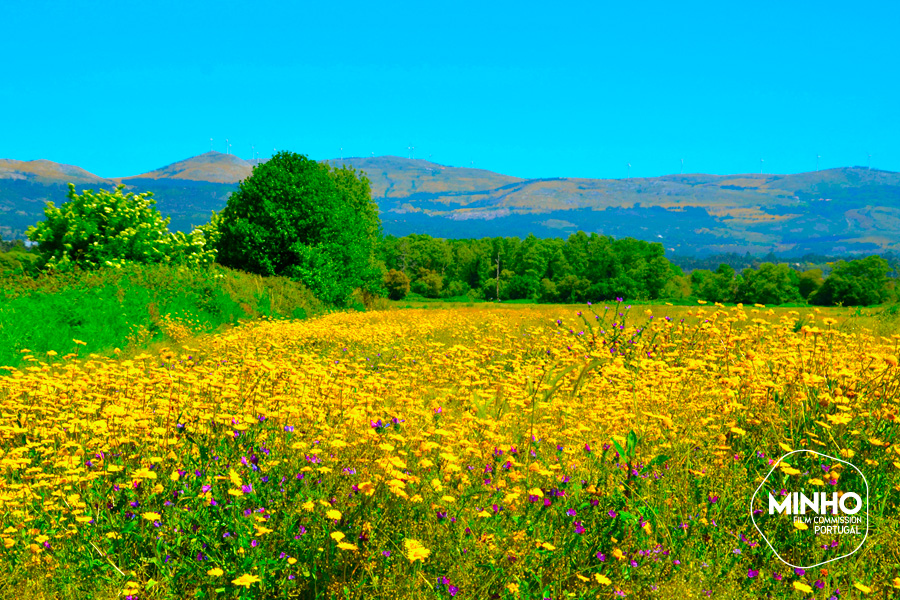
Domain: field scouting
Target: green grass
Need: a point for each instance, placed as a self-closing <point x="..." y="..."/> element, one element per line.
<point x="130" y="308"/>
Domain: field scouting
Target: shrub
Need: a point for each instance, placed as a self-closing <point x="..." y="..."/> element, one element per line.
<point x="92" y="230"/>
<point x="397" y="284"/>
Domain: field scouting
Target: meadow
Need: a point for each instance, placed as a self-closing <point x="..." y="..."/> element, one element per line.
<point x="509" y="452"/>
<point x="135" y="307"/>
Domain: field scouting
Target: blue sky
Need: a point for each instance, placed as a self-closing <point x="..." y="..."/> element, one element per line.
<point x="526" y="89"/>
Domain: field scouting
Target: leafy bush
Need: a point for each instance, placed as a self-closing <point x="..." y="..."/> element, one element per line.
<point x="397" y="284"/>
<point x="718" y="286"/>
<point x="456" y="289"/>
<point x="810" y="281"/>
<point x="93" y="230"/>
<point x="429" y="285"/>
<point x="18" y="263"/>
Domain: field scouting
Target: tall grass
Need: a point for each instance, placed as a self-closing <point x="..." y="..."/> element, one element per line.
<point x="134" y="306"/>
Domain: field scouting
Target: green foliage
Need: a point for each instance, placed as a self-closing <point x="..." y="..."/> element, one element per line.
<point x="18" y="261"/>
<point x="548" y="291"/>
<point x="429" y="284"/>
<point x="397" y="284"/>
<point x="135" y="305"/>
<point x="526" y="286"/>
<point x="810" y="281"/>
<point x="581" y="267"/>
<point x="12" y="246"/>
<point x="574" y="289"/>
<point x="301" y="219"/>
<point x="717" y="286"/>
<point x="861" y="282"/>
<point x="456" y="289"/>
<point x="92" y="230"/>
<point x="678" y="287"/>
<point x="590" y="268"/>
<point x="770" y="284"/>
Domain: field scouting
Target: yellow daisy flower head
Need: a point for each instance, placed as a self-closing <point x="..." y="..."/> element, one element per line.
<point x="416" y="551"/>
<point x="245" y="580"/>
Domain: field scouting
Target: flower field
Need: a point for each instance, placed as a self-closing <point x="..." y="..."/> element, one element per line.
<point x="503" y="452"/>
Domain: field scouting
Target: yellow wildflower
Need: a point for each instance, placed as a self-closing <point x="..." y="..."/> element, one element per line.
<point x="416" y="551"/>
<point x="246" y="580"/>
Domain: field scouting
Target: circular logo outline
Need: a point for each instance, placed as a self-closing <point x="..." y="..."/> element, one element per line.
<point x="772" y="470"/>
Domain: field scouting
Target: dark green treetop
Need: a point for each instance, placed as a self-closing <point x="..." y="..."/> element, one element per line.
<point x="298" y="218"/>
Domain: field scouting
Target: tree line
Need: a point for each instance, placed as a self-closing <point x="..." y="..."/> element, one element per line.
<point x="588" y="267"/>
<point x="544" y="270"/>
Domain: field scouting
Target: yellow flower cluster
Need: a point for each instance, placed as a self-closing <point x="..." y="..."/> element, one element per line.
<point x="409" y="406"/>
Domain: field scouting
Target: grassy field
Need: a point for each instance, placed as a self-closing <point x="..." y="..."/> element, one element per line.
<point x="120" y="312"/>
<point x="512" y="451"/>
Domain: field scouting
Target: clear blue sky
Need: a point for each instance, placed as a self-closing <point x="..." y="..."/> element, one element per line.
<point x="526" y="89"/>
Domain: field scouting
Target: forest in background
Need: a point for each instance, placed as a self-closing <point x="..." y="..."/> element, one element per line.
<point x="597" y="267"/>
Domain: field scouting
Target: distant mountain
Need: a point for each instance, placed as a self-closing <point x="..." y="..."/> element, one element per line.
<point x="849" y="210"/>
<point x="396" y="177"/>
<point x="213" y="167"/>
<point x="46" y="172"/>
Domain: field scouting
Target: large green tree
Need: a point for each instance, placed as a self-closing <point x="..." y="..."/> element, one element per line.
<point x="717" y="286"/>
<point x="860" y="282"/>
<point x="296" y="217"/>
<point x="770" y="284"/>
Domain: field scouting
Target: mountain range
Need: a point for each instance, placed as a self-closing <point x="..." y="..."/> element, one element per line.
<point x="850" y="210"/>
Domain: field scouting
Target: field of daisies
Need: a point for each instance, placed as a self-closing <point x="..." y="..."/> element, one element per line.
<point x="602" y="451"/>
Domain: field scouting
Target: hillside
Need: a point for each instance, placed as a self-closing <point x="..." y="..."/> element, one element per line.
<point x="213" y="167"/>
<point x="46" y="172"/>
<point x="848" y="210"/>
